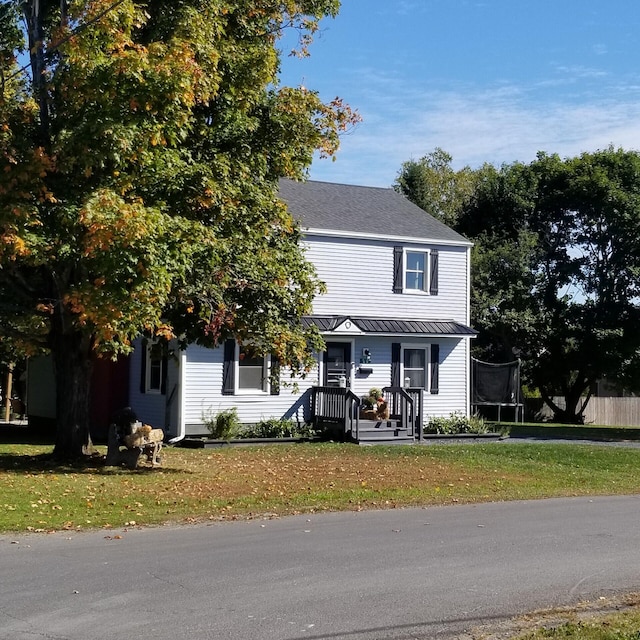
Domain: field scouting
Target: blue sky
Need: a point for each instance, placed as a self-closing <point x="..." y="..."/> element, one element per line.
<point x="486" y="80"/>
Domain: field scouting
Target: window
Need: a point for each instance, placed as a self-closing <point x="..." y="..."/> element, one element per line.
<point x="414" y="369"/>
<point x="416" y="366"/>
<point x="247" y="372"/>
<point x="415" y="271"/>
<point x="154" y="367"/>
<point x="252" y="371"/>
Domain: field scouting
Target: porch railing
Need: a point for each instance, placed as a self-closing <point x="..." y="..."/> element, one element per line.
<point x="405" y="406"/>
<point x="336" y="405"/>
<point x="341" y="407"/>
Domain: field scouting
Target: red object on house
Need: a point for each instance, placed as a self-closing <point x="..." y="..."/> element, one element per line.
<point x="109" y="393"/>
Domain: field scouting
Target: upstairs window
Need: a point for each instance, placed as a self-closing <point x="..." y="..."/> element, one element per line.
<point x="415" y="271"/>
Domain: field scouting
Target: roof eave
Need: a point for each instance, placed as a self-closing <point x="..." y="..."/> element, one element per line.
<point x="457" y="336"/>
<point x="332" y="233"/>
<point x="332" y="326"/>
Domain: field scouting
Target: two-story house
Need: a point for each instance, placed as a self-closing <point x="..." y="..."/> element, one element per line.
<point x="395" y="316"/>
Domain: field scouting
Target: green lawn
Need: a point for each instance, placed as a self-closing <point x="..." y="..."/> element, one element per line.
<point x="268" y="481"/>
<point x="245" y="482"/>
<point x="586" y="431"/>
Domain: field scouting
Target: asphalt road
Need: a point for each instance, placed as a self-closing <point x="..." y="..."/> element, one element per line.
<point x="414" y="573"/>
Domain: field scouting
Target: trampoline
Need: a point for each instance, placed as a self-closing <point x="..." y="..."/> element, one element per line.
<point x="497" y="387"/>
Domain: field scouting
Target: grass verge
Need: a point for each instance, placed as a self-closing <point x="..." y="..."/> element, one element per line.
<point x="619" y="626"/>
<point x="573" y="432"/>
<point x="193" y="485"/>
<point x="613" y="618"/>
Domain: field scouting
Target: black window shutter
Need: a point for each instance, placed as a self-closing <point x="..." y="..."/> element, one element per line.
<point x="433" y="285"/>
<point x="143" y="367"/>
<point x="274" y="382"/>
<point x="395" y="364"/>
<point x="397" y="269"/>
<point x="228" y="368"/>
<point x="435" y="366"/>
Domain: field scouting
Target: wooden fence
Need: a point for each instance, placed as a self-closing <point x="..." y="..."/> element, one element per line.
<point x="611" y="411"/>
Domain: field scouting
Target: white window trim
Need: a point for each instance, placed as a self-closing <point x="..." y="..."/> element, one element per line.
<point x="427" y="271"/>
<point x="147" y="377"/>
<point x="266" y="372"/>
<point x="427" y="362"/>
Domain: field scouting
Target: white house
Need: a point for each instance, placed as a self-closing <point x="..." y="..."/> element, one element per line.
<point x="395" y="316"/>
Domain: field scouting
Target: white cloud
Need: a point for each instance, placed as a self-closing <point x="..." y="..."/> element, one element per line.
<point x="580" y="73"/>
<point x="505" y="124"/>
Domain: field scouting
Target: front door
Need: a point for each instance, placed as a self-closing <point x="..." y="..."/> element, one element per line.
<point x="337" y="364"/>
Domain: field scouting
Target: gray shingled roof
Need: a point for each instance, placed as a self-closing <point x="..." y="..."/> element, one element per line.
<point x="362" y="211"/>
<point x="391" y="326"/>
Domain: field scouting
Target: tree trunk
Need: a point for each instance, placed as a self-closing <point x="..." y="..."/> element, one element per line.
<point x="572" y="413"/>
<point x="33" y="16"/>
<point x="71" y="351"/>
<point x="568" y="416"/>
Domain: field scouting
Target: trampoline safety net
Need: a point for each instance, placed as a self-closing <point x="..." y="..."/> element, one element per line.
<point x="496" y="385"/>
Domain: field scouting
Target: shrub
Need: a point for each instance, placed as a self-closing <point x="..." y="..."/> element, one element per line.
<point x="222" y="425"/>
<point x="276" y="428"/>
<point x="456" y="423"/>
<point x="530" y="392"/>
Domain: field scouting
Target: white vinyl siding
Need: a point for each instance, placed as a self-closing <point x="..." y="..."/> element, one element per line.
<point x="158" y="409"/>
<point x="452" y="371"/>
<point x="359" y="279"/>
<point x="453" y="375"/>
<point x="359" y="275"/>
<point x="203" y="393"/>
<point x="203" y="383"/>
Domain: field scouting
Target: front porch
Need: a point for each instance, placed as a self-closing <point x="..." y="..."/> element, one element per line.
<point x="339" y="410"/>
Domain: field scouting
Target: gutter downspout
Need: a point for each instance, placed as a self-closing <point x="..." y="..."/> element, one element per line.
<point x="181" y="388"/>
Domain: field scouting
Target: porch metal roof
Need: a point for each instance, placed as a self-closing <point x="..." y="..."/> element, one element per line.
<point x="391" y="326"/>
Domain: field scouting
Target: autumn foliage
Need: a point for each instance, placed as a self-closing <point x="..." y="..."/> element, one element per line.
<point x="140" y="151"/>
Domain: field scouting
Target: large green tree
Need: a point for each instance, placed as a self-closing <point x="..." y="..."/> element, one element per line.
<point x="141" y="145"/>
<point x="557" y="271"/>
<point x="555" y="264"/>
<point x="433" y="184"/>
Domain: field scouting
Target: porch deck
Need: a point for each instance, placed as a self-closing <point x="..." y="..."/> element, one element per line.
<point x="338" y="410"/>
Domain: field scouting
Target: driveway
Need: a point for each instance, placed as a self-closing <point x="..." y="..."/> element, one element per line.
<point x="412" y="573"/>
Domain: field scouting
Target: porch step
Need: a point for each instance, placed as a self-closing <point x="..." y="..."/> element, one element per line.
<point x="383" y="432"/>
<point x="393" y="442"/>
